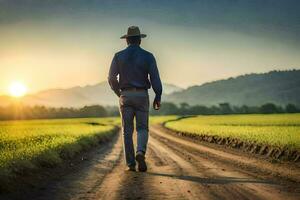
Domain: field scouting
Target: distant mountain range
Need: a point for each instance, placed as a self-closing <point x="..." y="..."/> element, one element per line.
<point x="77" y="96"/>
<point x="279" y="87"/>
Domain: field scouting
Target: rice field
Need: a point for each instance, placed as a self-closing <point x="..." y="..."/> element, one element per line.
<point x="34" y="143"/>
<point x="281" y="130"/>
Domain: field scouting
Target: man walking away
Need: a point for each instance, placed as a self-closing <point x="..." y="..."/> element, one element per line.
<point x="137" y="71"/>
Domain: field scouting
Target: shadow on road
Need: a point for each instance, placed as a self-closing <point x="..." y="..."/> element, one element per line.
<point x="220" y="180"/>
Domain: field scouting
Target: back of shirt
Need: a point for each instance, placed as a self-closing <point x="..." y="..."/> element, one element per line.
<point x="134" y="66"/>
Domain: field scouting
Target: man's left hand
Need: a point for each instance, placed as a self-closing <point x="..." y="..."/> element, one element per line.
<point x="156" y="105"/>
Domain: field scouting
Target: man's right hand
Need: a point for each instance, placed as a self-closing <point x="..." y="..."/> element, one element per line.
<point x="156" y="105"/>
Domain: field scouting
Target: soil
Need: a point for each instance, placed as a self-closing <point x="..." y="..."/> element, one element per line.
<point x="178" y="168"/>
<point x="272" y="152"/>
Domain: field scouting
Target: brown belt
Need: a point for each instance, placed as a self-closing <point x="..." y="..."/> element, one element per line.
<point x="133" y="89"/>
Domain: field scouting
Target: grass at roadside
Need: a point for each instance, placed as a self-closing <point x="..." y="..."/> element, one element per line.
<point x="34" y="143"/>
<point x="281" y="130"/>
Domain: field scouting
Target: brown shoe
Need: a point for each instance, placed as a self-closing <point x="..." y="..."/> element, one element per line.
<point x="140" y="158"/>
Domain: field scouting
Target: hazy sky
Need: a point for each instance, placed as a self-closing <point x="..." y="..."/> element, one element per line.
<point x="64" y="43"/>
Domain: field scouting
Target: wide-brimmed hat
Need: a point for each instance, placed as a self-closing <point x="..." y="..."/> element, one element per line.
<point x="133" y="31"/>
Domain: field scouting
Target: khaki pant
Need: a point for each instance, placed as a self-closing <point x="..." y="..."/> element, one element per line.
<point x="134" y="104"/>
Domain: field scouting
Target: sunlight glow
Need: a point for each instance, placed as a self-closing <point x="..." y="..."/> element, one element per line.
<point x="17" y="89"/>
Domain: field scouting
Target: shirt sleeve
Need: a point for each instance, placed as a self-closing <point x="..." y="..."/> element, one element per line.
<point x="155" y="79"/>
<point x="112" y="76"/>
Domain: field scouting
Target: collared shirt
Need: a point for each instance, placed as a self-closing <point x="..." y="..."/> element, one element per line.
<point x="136" y="68"/>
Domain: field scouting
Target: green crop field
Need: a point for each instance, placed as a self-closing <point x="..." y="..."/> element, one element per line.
<point x="34" y="143"/>
<point x="281" y="130"/>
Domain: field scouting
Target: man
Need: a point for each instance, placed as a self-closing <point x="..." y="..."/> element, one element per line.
<point x="137" y="71"/>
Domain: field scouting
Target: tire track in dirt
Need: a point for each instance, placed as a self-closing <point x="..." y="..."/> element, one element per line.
<point x="228" y="155"/>
<point x="225" y="181"/>
<point x="193" y="181"/>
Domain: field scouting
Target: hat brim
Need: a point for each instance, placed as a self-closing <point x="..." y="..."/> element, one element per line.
<point x="127" y="36"/>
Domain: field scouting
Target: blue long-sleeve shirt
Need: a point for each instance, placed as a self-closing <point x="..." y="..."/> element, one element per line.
<point x="136" y="68"/>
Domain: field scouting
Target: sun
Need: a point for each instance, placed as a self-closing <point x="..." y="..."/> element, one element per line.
<point x="17" y="89"/>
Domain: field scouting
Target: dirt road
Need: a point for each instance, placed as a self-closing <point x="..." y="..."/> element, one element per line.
<point x="177" y="169"/>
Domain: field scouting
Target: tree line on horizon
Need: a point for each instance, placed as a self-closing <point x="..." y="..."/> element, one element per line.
<point x="223" y="109"/>
<point x="18" y="112"/>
